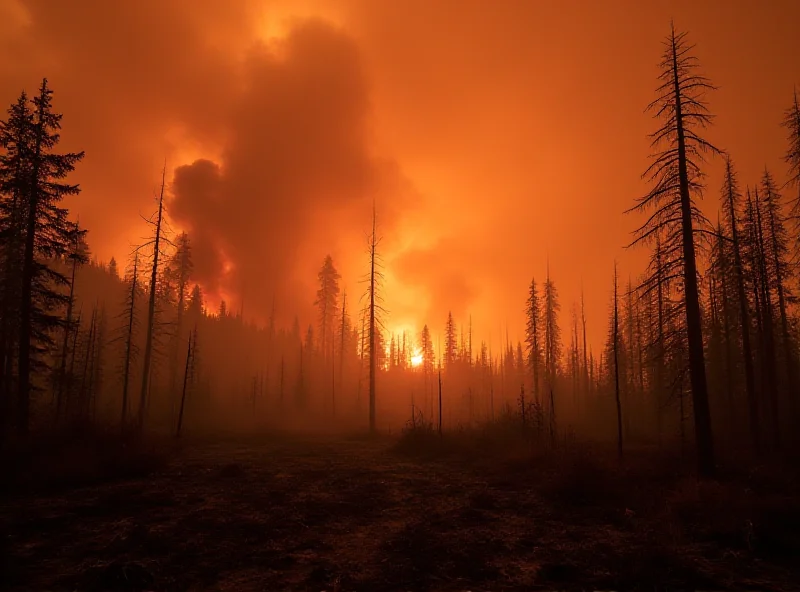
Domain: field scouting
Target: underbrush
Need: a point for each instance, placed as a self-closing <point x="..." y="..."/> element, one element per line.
<point x="76" y="456"/>
<point x="746" y="511"/>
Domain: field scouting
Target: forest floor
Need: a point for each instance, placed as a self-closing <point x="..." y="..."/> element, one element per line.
<point x="350" y="514"/>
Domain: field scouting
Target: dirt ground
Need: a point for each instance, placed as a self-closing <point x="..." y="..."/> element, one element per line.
<point x="347" y="514"/>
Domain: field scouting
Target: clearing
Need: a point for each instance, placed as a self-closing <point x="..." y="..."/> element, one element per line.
<point x="343" y="514"/>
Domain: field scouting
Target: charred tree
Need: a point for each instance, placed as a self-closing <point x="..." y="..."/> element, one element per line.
<point x="671" y="203"/>
<point x="151" y="307"/>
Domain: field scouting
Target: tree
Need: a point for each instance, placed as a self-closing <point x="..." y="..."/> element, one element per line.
<point x="779" y="264"/>
<point x="731" y="197"/>
<point x="326" y="303"/>
<point x="129" y="335"/>
<point x="47" y="237"/>
<point x="552" y="332"/>
<point x="426" y="345"/>
<point x="179" y="270"/>
<point x="791" y="122"/>
<point x="677" y="183"/>
<point x="374" y="310"/>
<point x="450" y="342"/>
<point x="113" y="269"/>
<point x="151" y="307"/>
<point x="533" y="337"/>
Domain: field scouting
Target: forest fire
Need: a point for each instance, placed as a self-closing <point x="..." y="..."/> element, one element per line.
<point x="404" y="312"/>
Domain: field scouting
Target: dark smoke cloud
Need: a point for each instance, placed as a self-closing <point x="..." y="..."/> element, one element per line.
<point x="295" y="171"/>
<point x="286" y="174"/>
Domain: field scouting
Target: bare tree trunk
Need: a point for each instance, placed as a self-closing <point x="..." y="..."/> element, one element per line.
<point x="373" y="359"/>
<point x="151" y="310"/>
<point x="697" y="369"/>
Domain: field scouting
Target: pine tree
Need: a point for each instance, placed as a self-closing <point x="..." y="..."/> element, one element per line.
<point x="533" y="337"/>
<point x="151" y="307"/>
<point x="326" y="303"/>
<point x="450" y="343"/>
<point x="113" y="268"/>
<point x="677" y="180"/>
<point x="426" y="345"/>
<point x="731" y="197"/>
<point x="779" y="264"/>
<point x="47" y="237"/>
<point x="16" y="140"/>
<point x="179" y="271"/>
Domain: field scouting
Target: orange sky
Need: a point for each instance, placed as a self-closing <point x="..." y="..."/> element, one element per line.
<point x="493" y="135"/>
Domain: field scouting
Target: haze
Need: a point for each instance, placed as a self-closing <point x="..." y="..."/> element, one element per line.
<point x="493" y="140"/>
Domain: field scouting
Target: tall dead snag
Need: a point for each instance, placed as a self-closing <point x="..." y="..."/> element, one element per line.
<point x="374" y="310"/>
<point x="677" y="178"/>
<point x="151" y="307"/>
<point x="731" y="197"/>
<point x="615" y="337"/>
<point x="533" y="337"/>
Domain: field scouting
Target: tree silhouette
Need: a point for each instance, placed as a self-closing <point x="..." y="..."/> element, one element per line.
<point x="47" y="236"/>
<point x="151" y="307"/>
<point x="450" y="346"/>
<point x="326" y="303"/>
<point x="533" y="337"/>
<point x="731" y="197"/>
<point x="673" y="213"/>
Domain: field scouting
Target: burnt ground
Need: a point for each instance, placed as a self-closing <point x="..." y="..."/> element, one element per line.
<point x="348" y="514"/>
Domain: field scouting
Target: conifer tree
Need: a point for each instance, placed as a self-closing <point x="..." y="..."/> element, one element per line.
<point x="533" y="337"/>
<point x="450" y="344"/>
<point x="47" y="235"/>
<point x="671" y="204"/>
<point x="731" y="197"/>
<point x="326" y="303"/>
<point x="791" y="122"/>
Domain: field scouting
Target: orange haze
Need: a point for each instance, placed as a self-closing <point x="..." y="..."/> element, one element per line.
<point x="493" y="136"/>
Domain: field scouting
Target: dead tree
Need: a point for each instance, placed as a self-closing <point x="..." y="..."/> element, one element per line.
<point x="151" y="307"/>
<point x="677" y="178"/>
